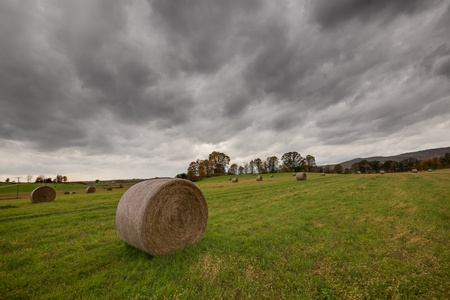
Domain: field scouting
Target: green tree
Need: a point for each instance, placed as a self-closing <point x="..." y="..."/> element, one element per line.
<point x="233" y="169"/>
<point x="272" y="164"/>
<point x="7" y="180"/>
<point x="293" y="161"/>
<point x="219" y="162"/>
<point x="445" y="160"/>
<point x="364" y="166"/>
<point x="193" y="171"/>
<point x="338" y="169"/>
<point x="241" y="170"/>
<point x="311" y="163"/>
<point x="251" y="167"/>
<point x="258" y="164"/>
<point x="375" y="166"/>
<point x="390" y="166"/>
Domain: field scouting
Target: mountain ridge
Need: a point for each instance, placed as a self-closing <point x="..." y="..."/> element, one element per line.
<point x="420" y="155"/>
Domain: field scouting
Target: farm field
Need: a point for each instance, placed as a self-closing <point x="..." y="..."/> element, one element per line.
<point x="329" y="237"/>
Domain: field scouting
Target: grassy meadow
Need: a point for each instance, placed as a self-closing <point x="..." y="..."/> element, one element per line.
<point x="332" y="237"/>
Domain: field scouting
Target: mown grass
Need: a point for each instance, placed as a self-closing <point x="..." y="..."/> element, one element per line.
<point x="333" y="237"/>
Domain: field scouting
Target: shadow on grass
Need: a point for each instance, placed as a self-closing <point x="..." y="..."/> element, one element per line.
<point x="8" y="206"/>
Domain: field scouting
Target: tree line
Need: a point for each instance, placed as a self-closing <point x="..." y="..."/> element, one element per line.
<point x="391" y="166"/>
<point x="218" y="163"/>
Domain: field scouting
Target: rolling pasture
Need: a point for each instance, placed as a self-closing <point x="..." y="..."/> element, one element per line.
<point x="329" y="237"/>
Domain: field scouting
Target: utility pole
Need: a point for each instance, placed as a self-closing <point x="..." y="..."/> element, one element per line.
<point x="18" y="181"/>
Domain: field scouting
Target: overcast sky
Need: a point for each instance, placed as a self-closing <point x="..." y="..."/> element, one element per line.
<point x="136" y="89"/>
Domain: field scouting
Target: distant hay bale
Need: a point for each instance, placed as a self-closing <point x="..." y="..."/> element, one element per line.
<point x="322" y="174"/>
<point x="414" y="170"/>
<point x="301" y="176"/>
<point x="72" y="192"/>
<point x="271" y="176"/>
<point x="90" y="190"/>
<point x="43" y="194"/>
<point x="66" y="193"/>
<point x="229" y="178"/>
<point x="359" y="172"/>
<point x="382" y="172"/>
<point x="259" y="178"/>
<point x="430" y="170"/>
<point x="109" y="189"/>
<point x="235" y="180"/>
<point x="160" y="216"/>
<point x="294" y="174"/>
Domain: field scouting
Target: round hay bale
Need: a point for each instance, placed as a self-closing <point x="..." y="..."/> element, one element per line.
<point x="259" y="178"/>
<point x="301" y="176"/>
<point x="229" y="179"/>
<point x="294" y="174"/>
<point x="109" y="189"/>
<point x="90" y="190"/>
<point x="43" y="194"/>
<point x="430" y="170"/>
<point x="160" y="216"/>
<point x="66" y="193"/>
<point x="72" y="192"/>
<point x="322" y="174"/>
<point x="235" y="180"/>
<point x="381" y="172"/>
<point x="414" y="170"/>
<point x="271" y="176"/>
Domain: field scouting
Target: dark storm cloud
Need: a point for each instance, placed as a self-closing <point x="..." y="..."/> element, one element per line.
<point x="330" y="14"/>
<point x="63" y="67"/>
<point x="147" y="77"/>
<point x="203" y="35"/>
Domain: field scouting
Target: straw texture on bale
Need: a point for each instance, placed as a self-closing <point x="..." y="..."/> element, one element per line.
<point x="235" y="180"/>
<point x="301" y="176"/>
<point x="90" y="190"/>
<point x="43" y="194"/>
<point x="414" y="170"/>
<point x="259" y="178"/>
<point x="160" y="216"/>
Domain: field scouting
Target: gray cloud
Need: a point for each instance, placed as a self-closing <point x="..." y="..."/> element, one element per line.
<point x="165" y="82"/>
<point x="332" y="14"/>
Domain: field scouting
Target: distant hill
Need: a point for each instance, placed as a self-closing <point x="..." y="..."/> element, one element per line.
<point x="420" y="155"/>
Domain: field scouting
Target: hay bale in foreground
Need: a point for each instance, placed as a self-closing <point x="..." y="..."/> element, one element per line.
<point x="235" y="180"/>
<point x="43" y="194"/>
<point x="259" y="178"/>
<point x="160" y="216"/>
<point x="414" y="170"/>
<point x="301" y="176"/>
<point x="90" y="190"/>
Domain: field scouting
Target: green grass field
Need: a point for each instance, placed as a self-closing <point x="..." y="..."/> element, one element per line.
<point x="333" y="237"/>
